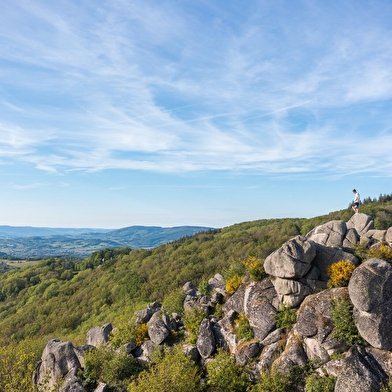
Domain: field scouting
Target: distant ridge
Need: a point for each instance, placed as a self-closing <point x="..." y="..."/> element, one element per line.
<point x="22" y="242"/>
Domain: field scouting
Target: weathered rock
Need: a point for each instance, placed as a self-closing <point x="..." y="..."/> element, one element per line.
<point x="99" y="336"/>
<point x="362" y="223"/>
<point x="370" y="291"/>
<point x="157" y="329"/>
<point x="291" y="292"/>
<point x="217" y="282"/>
<point x="59" y="362"/>
<point x="247" y="351"/>
<point x="272" y="337"/>
<point x="360" y="373"/>
<point x="375" y="236"/>
<point x="236" y="301"/>
<point x="292" y="260"/>
<point x="225" y="338"/>
<point x="351" y="239"/>
<point x="261" y="318"/>
<point x="314" y="323"/>
<point x="102" y="387"/>
<point x="190" y="289"/>
<point x="388" y="236"/>
<point x="325" y="256"/>
<point x="384" y="358"/>
<point x="81" y="351"/>
<point x="267" y="356"/>
<point x="143" y="316"/>
<point x="292" y="355"/>
<point x="331" y="234"/>
<point x="314" y="315"/>
<point x="144" y="352"/>
<point x="206" y="340"/>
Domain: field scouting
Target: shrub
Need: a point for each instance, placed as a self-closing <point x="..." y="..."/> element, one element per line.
<point x="169" y="371"/>
<point x="340" y="273"/>
<point x="243" y="328"/>
<point x="192" y="320"/>
<point x="233" y="283"/>
<point x="17" y="364"/>
<point x="255" y="268"/>
<point x="113" y="368"/>
<point x="316" y="383"/>
<point x="383" y="252"/>
<point x="272" y="381"/>
<point x="343" y="319"/>
<point x="174" y="301"/>
<point x="203" y="287"/>
<point x="129" y="332"/>
<point x="224" y="374"/>
<point x="286" y="317"/>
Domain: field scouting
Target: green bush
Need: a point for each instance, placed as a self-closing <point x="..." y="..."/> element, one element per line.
<point x="192" y="320"/>
<point x="316" y="383"/>
<point x="285" y="318"/>
<point x="243" y="329"/>
<point x="128" y="332"/>
<point x="169" y="371"/>
<point x="272" y="381"/>
<point x="343" y="319"/>
<point x="174" y="301"/>
<point x="224" y="374"/>
<point x="113" y="368"/>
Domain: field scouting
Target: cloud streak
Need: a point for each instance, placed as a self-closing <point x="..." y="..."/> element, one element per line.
<point x="136" y="86"/>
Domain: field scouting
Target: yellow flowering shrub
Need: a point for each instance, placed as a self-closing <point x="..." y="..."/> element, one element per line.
<point x="255" y="268"/>
<point x="141" y="334"/>
<point x="339" y="273"/>
<point x="383" y="252"/>
<point x="233" y="283"/>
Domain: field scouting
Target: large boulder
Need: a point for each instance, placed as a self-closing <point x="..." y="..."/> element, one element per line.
<point x="314" y="324"/>
<point x="58" y="368"/>
<point x="260" y="303"/>
<point x="292" y="355"/>
<point x="236" y="301"/>
<point x="292" y="260"/>
<point x="291" y="292"/>
<point x="370" y="290"/>
<point x="144" y="315"/>
<point x="158" y="330"/>
<point x="206" y="340"/>
<point x="331" y="234"/>
<point x="362" y="223"/>
<point x="246" y="352"/>
<point x="360" y="372"/>
<point x="99" y="336"/>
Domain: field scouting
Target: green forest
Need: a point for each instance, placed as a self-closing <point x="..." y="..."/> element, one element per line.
<point x="64" y="299"/>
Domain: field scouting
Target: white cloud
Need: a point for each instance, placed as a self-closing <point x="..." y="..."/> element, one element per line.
<point x="137" y="86"/>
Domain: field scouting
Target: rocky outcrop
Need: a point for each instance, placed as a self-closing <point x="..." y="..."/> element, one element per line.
<point x="99" y="336"/>
<point x="370" y="290"/>
<point x="59" y="362"/>
<point x="298" y="279"/>
<point x="158" y="328"/>
<point x="360" y="372"/>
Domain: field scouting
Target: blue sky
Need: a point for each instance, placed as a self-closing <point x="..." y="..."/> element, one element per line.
<point x="117" y="113"/>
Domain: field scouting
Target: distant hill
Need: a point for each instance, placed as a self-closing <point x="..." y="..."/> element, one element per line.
<point x="37" y="242"/>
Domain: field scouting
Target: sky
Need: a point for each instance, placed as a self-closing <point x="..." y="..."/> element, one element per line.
<point x="116" y="113"/>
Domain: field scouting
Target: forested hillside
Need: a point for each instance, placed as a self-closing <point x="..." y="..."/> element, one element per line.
<point x="59" y="298"/>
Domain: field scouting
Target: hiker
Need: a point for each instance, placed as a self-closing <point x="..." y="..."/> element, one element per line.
<point x="357" y="198"/>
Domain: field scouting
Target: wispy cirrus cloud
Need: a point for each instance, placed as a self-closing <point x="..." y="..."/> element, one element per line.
<point x="136" y="86"/>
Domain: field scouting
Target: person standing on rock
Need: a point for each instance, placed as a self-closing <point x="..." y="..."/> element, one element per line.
<point x="357" y="198"/>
